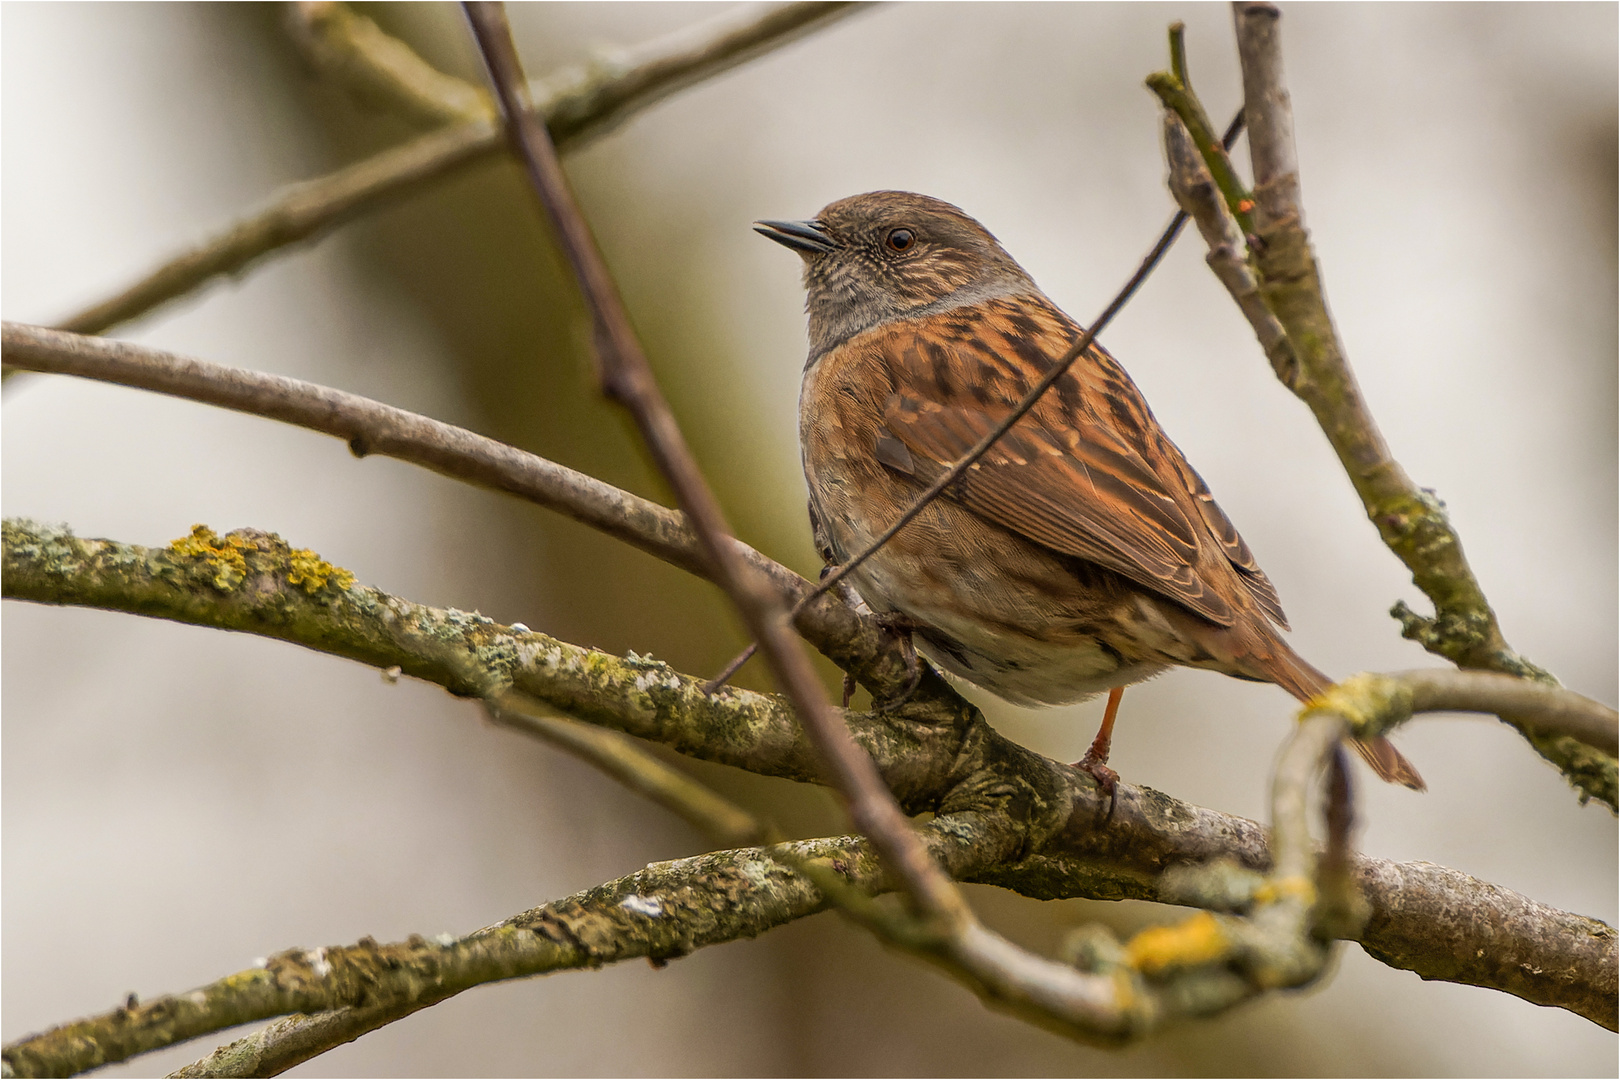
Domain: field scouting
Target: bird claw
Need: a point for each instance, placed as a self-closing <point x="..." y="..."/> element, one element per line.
<point x="902" y="629"/>
<point x="1106" y="778"/>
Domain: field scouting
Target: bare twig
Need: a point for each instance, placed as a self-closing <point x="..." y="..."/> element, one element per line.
<point x="1309" y="359"/>
<point x="1375" y="703"/>
<point x="351" y="47"/>
<point x="577" y="103"/>
<point x="1195" y="192"/>
<point x="370" y="427"/>
<point x="1411" y="520"/>
<point x="625" y="376"/>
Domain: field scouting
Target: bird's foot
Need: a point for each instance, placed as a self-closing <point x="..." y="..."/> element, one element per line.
<point x="1107" y="779"/>
<point x="902" y="628"/>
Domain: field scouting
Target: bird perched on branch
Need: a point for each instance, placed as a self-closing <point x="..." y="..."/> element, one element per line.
<point x="1081" y="553"/>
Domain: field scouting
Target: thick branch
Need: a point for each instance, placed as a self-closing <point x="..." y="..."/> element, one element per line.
<point x="663" y="912"/>
<point x="1035" y="820"/>
<point x="578" y="103"/>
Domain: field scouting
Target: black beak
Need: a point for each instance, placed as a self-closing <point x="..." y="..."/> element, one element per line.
<point x="809" y="237"/>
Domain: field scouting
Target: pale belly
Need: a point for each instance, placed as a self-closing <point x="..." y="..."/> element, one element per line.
<point x="999" y="627"/>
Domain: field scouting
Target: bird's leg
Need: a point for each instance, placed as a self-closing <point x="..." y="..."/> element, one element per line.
<point x="901" y="627"/>
<point x="849" y="688"/>
<point x="1095" y="763"/>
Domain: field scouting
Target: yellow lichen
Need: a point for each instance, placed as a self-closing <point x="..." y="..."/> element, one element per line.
<point x="1198" y="940"/>
<point x="1369" y="703"/>
<point x="224" y="556"/>
<point x="1296" y="888"/>
<point x="311" y="572"/>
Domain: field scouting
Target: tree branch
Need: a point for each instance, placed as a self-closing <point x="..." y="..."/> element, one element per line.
<point x="578" y="103"/>
<point x="1031" y="822"/>
<point x="1374" y="703"/>
<point x="724" y="822"/>
<point x="854" y="643"/>
<point x="1310" y="360"/>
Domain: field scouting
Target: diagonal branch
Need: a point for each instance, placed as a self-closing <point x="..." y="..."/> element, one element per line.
<point x="625" y="377"/>
<point x="578" y="103"/>
<point x="617" y="755"/>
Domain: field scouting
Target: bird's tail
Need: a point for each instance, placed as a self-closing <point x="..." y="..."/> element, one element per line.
<point x="1302" y="680"/>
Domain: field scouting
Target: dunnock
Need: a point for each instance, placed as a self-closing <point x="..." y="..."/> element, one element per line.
<point x="1081" y="553"/>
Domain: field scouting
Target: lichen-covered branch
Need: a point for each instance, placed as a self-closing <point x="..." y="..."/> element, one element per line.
<point x="1310" y="360"/>
<point x="578" y="103"/>
<point x="1031" y="823"/>
<point x="663" y="912"/>
<point x="1374" y="703"/>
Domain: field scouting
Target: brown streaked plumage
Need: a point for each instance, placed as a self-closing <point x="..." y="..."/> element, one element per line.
<point x="1081" y="553"/>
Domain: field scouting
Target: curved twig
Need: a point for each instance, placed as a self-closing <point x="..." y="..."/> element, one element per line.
<point x="375" y="64"/>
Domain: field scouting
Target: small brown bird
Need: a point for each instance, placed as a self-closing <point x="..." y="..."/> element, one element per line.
<point x="1082" y="553"/>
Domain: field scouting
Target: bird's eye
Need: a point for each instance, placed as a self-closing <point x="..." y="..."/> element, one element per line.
<point x="901" y="240"/>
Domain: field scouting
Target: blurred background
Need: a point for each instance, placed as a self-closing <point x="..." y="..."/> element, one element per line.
<point x="179" y="801"/>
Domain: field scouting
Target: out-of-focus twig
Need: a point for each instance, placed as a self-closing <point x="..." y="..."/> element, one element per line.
<point x="349" y="46"/>
<point x="577" y="103"/>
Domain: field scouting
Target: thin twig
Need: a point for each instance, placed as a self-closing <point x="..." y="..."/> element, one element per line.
<point x="1412" y="521"/>
<point x="626" y="377"/>
<point x="577" y="103"/>
<point x="1196" y="193"/>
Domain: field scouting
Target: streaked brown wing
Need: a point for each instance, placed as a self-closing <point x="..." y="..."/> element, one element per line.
<point x="1237" y="552"/>
<point x="1084" y="493"/>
